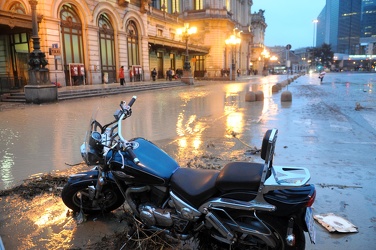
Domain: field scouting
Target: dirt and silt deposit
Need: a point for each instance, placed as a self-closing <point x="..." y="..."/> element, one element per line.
<point x="33" y="215"/>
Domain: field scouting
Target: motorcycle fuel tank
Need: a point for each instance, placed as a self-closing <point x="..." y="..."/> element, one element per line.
<point x="156" y="166"/>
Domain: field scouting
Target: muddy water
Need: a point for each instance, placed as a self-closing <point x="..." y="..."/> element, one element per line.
<point x="45" y="138"/>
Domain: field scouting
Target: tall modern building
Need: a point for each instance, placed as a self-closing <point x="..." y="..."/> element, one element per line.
<point x="349" y="16"/>
<point x="368" y="18"/>
<point x="348" y="26"/>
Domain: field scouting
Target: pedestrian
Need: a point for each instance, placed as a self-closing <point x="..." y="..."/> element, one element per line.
<point x="131" y="74"/>
<point x="321" y="76"/>
<point x="238" y="72"/>
<point x="121" y="75"/>
<point x="169" y="74"/>
<point x="154" y="74"/>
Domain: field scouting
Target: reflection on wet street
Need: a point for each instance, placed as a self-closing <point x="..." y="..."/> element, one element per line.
<point x="44" y="138"/>
<point x="320" y="130"/>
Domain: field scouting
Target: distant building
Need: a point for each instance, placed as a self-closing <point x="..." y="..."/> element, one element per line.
<point x="345" y="25"/>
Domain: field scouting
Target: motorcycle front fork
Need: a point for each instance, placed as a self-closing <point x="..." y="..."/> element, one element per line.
<point x="94" y="192"/>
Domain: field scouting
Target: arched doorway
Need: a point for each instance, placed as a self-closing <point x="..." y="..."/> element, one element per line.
<point x="107" y="49"/>
<point x="71" y="37"/>
<point x="14" y="48"/>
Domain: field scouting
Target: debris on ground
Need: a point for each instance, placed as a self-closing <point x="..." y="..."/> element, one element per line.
<point x="334" y="223"/>
<point x="324" y="185"/>
<point x="358" y="106"/>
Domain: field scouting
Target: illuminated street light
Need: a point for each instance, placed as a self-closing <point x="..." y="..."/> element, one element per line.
<point x="233" y="40"/>
<point x="314" y="21"/>
<point x="186" y="32"/>
<point x="265" y="55"/>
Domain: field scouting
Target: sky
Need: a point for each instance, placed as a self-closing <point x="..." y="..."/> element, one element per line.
<point x="289" y="21"/>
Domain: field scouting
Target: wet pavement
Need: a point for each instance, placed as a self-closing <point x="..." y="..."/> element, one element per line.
<point x="320" y="130"/>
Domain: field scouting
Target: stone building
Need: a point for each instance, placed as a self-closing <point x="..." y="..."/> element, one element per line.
<point x="87" y="41"/>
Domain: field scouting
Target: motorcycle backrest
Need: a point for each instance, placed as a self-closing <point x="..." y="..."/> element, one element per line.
<point x="268" y="145"/>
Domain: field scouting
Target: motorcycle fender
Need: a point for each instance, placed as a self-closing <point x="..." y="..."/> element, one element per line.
<point x="89" y="176"/>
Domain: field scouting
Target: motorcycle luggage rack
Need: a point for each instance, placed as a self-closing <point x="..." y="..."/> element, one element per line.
<point x="280" y="177"/>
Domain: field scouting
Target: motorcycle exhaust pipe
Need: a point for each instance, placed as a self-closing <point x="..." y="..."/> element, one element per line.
<point x="217" y="224"/>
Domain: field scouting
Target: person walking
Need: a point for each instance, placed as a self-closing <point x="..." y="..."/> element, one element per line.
<point x="154" y="74"/>
<point x="121" y="75"/>
<point x="321" y="76"/>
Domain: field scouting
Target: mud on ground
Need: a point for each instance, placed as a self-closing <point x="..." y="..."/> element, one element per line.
<point x="33" y="216"/>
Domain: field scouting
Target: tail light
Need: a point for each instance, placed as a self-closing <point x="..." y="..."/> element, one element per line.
<point x="311" y="199"/>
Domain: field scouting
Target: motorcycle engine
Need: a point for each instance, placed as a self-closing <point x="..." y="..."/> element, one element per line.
<point x="153" y="216"/>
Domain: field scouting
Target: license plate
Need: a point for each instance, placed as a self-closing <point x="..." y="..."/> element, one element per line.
<point x="310" y="222"/>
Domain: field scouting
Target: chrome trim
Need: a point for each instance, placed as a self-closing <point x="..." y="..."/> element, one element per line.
<point x="187" y="211"/>
<point x="235" y="204"/>
<point x="221" y="228"/>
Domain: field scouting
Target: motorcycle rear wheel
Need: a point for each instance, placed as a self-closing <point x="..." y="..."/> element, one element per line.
<point x="109" y="200"/>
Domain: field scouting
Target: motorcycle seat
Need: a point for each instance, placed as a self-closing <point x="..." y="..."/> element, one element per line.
<point x="194" y="185"/>
<point x="240" y="176"/>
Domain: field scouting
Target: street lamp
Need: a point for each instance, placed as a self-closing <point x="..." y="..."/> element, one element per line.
<point x="265" y="55"/>
<point x="186" y="32"/>
<point x="233" y="40"/>
<point x="314" y="21"/>
<point x="39" y="88"/>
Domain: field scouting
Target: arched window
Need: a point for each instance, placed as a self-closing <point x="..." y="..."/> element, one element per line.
<point x="107" y="49"/>
<point x="17" y="8"/>
<point x="71" y="31"/>
<point x="132" y="44"/>
<point x="71" y="34"/>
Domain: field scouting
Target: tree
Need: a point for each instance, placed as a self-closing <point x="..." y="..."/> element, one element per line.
<point x="323" y="55"/>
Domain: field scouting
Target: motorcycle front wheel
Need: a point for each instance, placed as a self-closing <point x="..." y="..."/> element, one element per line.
<point x="77" y="196"/>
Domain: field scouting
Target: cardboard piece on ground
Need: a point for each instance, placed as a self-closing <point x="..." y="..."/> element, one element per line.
<point x="335" y="223"/>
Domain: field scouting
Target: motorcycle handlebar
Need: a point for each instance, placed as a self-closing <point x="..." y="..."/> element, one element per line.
<point x="132" y="154"/>
<point x="132" y="101"/>
<point x="128" y="146"/>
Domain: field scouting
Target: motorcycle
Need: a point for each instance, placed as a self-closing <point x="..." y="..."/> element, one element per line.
<point x="244" y="205"/>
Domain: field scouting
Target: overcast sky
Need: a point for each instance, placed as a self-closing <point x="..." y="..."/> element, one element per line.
<point x="290" y="21"/>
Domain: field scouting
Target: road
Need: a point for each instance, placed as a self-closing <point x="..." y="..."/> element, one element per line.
<point x="320" y="130"/>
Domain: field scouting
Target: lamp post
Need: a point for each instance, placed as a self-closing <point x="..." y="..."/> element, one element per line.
<point x="314" y="21"/>
<point x="233" y="40"/>
<point x="39" y="88"/>
<point x="265" y="56"/>
<point x="186" y="32"/>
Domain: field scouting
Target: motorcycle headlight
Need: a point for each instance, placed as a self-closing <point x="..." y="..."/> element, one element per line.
<point x="91" y="151"/>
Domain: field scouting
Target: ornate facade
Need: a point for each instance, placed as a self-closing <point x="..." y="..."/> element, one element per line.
<point x="87" y="41"/>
